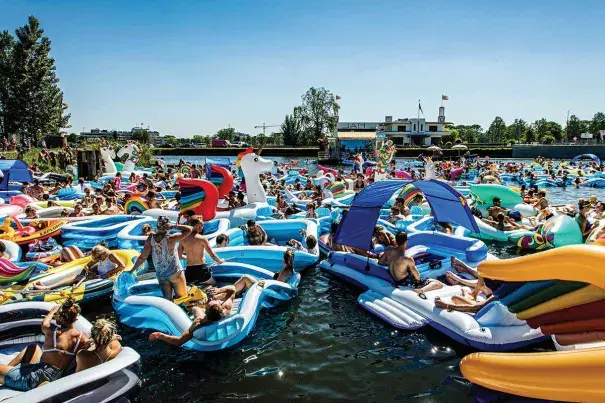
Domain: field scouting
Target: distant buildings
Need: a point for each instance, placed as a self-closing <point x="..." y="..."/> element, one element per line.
<point x="403" y="132"/>
<point x="154" y="136"/>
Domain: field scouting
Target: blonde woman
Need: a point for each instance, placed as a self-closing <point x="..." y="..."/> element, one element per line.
<point x="103" y="347"/>
<point x="106" y="262"/>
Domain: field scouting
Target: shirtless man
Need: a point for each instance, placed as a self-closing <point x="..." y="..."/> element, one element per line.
<point x="110" y="207"/>
<point x="36" y="191"/>
<point x="256" y="234"/>
<point x="403" y="268"/>
<point x="195" y="245"/>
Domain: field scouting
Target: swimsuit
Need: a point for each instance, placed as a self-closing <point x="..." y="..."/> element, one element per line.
<point x="165" y="261"/>
<point x="198" y="273"/>
<point x="105" y="266"/>
<point x="26" y="377"/>
<point x="409" y="280"/>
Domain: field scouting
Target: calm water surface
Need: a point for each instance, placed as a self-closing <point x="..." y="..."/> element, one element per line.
<point x="320" y="347"/>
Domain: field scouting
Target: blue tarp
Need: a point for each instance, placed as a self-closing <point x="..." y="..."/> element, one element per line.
<point x="357" y="225"/>
<point x="586" y="156"/>
<point x="14" y="171"/>
<point x="222" y="162"/>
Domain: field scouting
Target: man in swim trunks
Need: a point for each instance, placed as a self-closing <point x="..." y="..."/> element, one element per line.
<point x="195" y="245"/>
<point x="403" y="268"/>
<point x="256" y="235"/>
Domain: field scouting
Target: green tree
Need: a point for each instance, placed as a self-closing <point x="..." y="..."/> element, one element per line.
<point x="276" y="138"/>
<point x="7" y="44"/>
<point x="597" y="124"/>
<point x="32" y="102"/>
<point x="171" y="140"/>
<point x="530" y="135"/>
<point x="142" y="136"/>
<point x="291" y="130"/>
<point x="226" y="134"/>
<point x="497" y="129"/>
<point x="516" y="131"/>
<point x="452" y="136"/>
<point x="544" y="128"/>
<point x="197" y="139"/>
<point x="318" y="114"/>
<point x="469" y="133"/>
<point x="574" y="127"/>
<point x="73" y="138"/>
<point x="548" y="139"/>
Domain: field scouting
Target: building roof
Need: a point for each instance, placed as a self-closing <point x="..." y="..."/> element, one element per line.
<point x="357" y="135"/>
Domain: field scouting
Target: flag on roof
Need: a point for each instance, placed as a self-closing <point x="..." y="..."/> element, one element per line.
<point x="420" y="107"/>
<point x="444" y="97"/>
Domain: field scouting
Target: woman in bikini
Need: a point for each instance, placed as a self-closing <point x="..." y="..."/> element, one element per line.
<point x="35" y="366"/>
<point x="103" y="264"/>
<point x="106" y="346"/>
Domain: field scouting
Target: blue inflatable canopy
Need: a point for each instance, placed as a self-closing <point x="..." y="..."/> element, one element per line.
<point x="357" y="225"/>
<point x="223" y="162"/>
<point x="14" y="171"/>
<point x="586" y="156"/>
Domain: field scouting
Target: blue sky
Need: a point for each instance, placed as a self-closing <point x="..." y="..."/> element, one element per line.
<point x="193" y="67"/>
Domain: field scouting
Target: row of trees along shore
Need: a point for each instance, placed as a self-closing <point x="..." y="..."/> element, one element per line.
<point x="520" y="131"/>
<point x="317" y="116"/>
<point x="31" y="102"/>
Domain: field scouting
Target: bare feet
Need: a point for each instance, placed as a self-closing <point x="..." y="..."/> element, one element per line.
<point x="39" y="286"/>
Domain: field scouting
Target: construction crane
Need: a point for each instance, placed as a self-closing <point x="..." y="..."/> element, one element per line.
<point x="264" y="127"/>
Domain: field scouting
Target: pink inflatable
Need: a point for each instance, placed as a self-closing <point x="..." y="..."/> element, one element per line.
<point x="455" y="173"/>
<point x="10" y="210"/>
<point x="398" y="173"/>
<point x="327" y="170"/>
<point x="21" y="200"/>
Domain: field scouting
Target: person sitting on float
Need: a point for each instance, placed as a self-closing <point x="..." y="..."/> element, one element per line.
<point x="35" y="366"/>
<point x="403" y="269"/>
<point x="103" y="264"/>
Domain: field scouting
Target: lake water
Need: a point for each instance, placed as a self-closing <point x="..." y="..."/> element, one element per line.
<point x="320" y="347"/>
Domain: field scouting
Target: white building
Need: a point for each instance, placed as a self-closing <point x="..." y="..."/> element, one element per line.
<point x="403" y="132"/>
<point x="154" y="136"/>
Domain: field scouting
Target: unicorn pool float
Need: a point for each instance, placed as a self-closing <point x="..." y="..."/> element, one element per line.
<point x="202" y="196"/>
<point x="384" y="156"/>
<point x="130" y="153"/>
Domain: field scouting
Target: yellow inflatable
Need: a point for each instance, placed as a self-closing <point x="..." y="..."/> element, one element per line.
<point x="573" y="376"/>
<point x="62" y="203"/>
<point x="81" y="292"/>
<point x="7" y="232"/>
<point x="572" y="263"/>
